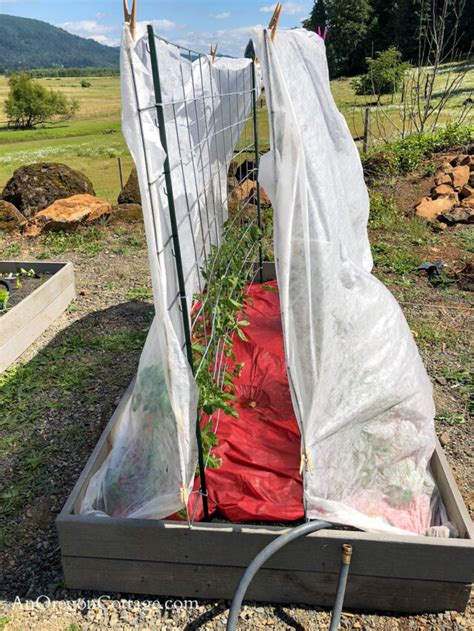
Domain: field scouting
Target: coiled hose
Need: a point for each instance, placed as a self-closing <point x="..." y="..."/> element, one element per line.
<point x="269" y="550"/>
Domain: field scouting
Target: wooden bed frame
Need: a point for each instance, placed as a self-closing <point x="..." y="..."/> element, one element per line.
<point x="27" y="320"/>
<point x="388" y="572"/>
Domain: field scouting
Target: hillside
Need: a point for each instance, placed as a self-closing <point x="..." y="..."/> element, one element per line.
<point x="26" y="43"/>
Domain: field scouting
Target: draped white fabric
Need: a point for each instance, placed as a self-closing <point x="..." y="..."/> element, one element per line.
<point x="150" y="469"/>
<point x="360" y="391"/>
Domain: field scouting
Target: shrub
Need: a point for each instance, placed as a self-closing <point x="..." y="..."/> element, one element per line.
<point x="379" y="164"/>
<point x="405" y="155"/>
<point x="385" y="74"/>
<point x="85" y="84"/>
<point x="30" y="104"/>
<point x="410" y="151"/>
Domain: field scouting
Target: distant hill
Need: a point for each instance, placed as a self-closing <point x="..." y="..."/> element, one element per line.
<point x="27" y="44"/>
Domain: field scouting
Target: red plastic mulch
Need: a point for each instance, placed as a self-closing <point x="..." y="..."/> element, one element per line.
<point x="259" y="479"/>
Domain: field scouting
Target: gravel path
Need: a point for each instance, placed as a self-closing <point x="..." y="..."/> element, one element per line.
<point x="34" y="595"/>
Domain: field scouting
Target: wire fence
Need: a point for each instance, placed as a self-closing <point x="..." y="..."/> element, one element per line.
<point x="211" y="237"/>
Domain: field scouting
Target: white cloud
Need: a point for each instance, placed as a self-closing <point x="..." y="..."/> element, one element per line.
<point x="167" y="25"/>
<point x="221" y="16"/>
<point x="289" y="8"/>
<point x="92" y="29"/>
<point x="231" y="41"/>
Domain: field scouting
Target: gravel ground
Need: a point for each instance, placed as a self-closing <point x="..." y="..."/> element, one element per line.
<point x="34" y="595"/>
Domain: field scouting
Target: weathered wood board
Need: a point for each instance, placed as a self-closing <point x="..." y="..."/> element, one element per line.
<point x="26" y="321"/>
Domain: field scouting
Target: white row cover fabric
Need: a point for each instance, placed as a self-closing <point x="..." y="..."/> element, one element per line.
<point x="149" y="472"/>
<point x="360" y="391"/>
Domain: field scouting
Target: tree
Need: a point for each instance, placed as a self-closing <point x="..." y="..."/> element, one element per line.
<point x="384" y="75"/>
<point x="30" y="104"/>
<point x="349" y="22"/>
<point x="358" y="29"/>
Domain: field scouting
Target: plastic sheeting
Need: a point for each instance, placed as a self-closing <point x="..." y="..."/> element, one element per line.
<point x="150" y="470"/>
<point x="259" y="478"/>
<point x="361" y="394"/>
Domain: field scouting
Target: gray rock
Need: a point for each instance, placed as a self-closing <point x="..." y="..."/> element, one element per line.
<point x="36" y="186"/>
<point x="131" y="191"/>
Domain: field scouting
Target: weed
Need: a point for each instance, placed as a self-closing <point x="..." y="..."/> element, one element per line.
<point x="451" y="418"/>
<point x="89" y="241"/>
<point x="72" y="307"/>
<point x="140" y="293"/>
<point x="465" y="238"/>
<point x="111" y="286"/>
<point x="418" y="232"/>
<point x="12" y="249"/>
<point x="126" y="243"/>
<point x="429" y="169"/>
<point x="384" y="213"/>
<point x="394" y="258"/>
<point x="427" y="334"/>
<point x="3" y="622"/>
<point x="461" y="380"/>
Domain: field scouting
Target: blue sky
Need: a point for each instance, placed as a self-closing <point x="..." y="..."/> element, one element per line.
<point x="193" y="23"/>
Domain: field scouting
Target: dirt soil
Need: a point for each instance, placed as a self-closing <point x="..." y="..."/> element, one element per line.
<point x="27" y="287"/>
<point x="62" y="392"/>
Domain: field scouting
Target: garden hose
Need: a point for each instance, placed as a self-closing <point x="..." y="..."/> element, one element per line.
<point x="269" y="550"/>
<point x="341" y="586"/>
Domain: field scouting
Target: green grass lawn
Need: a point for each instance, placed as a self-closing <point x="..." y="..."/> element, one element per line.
<point x="93" y="142"/>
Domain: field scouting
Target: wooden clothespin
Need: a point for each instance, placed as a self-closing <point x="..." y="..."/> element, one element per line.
<point x="273" y="24"/>
<point x="214" y="52"/>
<point x="130" y="18"/>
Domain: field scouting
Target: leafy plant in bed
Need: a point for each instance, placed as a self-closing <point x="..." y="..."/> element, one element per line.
<point x="140" y="471"/>
<point x="16" y="287"/>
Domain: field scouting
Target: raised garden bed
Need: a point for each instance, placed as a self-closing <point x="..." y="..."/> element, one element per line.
<point x="39" y="300"/>
<point x="388" y="573"/>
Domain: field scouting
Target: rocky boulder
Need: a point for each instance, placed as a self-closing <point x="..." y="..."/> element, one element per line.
<point x="131" y="191"/>
<point x="247" y="169"/>
<point x="36" y="186"/>
<point x="441" y="189"/>
<point x="430" y="209"/>
<point x="128" y="213"/>
<point x="460" y="176"/>
<point x="452" y="198"/>
<point x="467" y="192"/>
<point x="460" y="214"/>
<point x="442" y="178"/>
<point x="68" y="214"/>
<point x="10" y="217"/>
<point x="245" y="193"/>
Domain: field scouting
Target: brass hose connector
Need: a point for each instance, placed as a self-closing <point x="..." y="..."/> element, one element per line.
<point x="346" y="553"/>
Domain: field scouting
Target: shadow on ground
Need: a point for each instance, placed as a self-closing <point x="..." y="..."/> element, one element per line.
<point x="56" y="406"/>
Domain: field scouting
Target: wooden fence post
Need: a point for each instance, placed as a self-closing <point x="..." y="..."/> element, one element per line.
<point x="120" y="173"/>
<point x="366" y="130"/>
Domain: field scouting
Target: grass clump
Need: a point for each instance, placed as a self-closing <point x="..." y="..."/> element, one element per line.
<point x="140" y="293"/>
<point x="395" y="258"/>
<point x="384" y="213"/>
<point x="451" y="418"/>
<point x="88" y="241"/>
